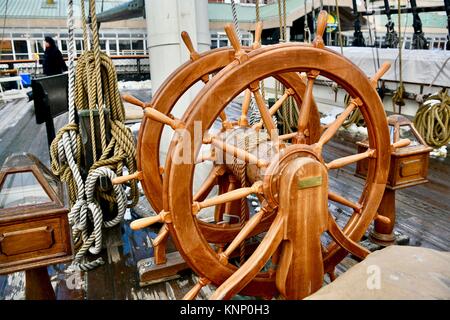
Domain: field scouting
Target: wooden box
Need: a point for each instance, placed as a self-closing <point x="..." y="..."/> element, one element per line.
<point x="34" y="227"/>
<point x="409" y="165"/>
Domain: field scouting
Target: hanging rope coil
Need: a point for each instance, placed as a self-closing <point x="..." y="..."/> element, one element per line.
<point x="432" y="119"/>
<point x="93" y="87"/>
<point x="90" y="209"/>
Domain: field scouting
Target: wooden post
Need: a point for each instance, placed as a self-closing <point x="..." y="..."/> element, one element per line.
<point x="85" y="132"/>
<point x="37" y="285"/>
<point x="85" y="124"/>
<point x="383" y="233"/>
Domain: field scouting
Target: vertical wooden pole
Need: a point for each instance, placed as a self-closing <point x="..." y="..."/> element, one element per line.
<point x="37" y="285"/>
<point x="383" y="233"/>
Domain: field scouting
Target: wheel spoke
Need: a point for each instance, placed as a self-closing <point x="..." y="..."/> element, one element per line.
<point x="354" y="103"/>
<point x="254" y="264"/>
<point x="194" y="54"/>
<point x="225" y="123"/>
<point x="348" y="244"/>
<point x="122" y="179"/>
<point x="258" y="33"/>
<point x="305" y="110"/>
<point x="163" y="216"/>
<point x="231" y="186"/>
<point x="288" y="136"/>
<point x="339" y="199"/>
<point x="235" y="43"/>
<point x="209" y="183"/>
<point x="133" y="100"/>
<point x="341" y="162"/>
<point x="153" y="113"/>
<point x="226" y="197"/>
<point x="275" y="107"/>
<point x="243" y="121"/>
<point x="196" y="289"/>
<point x="336" y="124"/>
<point x="264" y="111"/>
<point x="162" y="235"/>
<point x="236" y="152"/>
<point x="161" y="117"/>
<point x="242" y="235"/>
<point x="206" y="157"/>
<point x="321" y="25"/>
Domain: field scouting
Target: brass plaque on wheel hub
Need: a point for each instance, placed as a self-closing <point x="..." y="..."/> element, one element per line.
<point x="310" y="182"/>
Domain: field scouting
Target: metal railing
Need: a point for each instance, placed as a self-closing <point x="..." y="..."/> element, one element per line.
<point x="136" y="65"/>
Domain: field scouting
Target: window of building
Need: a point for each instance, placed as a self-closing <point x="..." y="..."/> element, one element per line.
<point x="102" y="45"/>
<point x="6" y="51"/>
<point x="112" y="46"/>
<point x="137" y="46"/>
<point x="21" y="49"/>
<point x="124" y="46"/>
<point x="79" y="46"/>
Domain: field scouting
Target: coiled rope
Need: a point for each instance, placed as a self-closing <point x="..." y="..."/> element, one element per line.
<point x="432" y="119"/>
<point x="90" y="209"/>
<point x="93" y="86"/>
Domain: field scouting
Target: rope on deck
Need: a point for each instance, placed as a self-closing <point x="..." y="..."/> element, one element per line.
<point x="432" y="119"/>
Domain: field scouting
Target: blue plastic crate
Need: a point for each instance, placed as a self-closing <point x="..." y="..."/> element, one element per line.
<point x="26" y="79"/>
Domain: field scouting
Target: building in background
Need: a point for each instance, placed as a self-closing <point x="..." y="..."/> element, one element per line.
<point x="25" y="23"/>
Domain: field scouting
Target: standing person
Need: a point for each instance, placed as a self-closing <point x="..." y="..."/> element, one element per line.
<point x="53" y="60"/>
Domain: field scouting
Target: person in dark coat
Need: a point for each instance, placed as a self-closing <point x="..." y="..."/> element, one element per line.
<point x="53" y="60"/>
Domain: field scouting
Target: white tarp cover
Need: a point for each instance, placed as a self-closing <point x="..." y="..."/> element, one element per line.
<point x="396" y="272"/>
<point x="418" y="66"/>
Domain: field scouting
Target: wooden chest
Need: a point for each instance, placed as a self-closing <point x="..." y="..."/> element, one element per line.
<point x="409" y="165"/>
<point x="34" y="227"/>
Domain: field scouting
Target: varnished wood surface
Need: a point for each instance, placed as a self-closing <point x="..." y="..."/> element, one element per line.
<point x="422" y="214"/>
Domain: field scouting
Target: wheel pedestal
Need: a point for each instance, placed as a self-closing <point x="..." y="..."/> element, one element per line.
<point x="383" y="233"/>
<point x="38" y="285"/>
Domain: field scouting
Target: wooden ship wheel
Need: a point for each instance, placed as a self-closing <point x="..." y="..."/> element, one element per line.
<point x="157" y="116"/>
<point x="290" y="179"/>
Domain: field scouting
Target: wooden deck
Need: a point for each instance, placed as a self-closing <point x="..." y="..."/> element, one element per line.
<point x="422" y="214"/>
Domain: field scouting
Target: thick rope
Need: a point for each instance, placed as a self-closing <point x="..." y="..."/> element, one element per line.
<point x="341" y="43"/>
<point x="248" y="141"/>
<point x="258" y="19"/>
<point x="235" y="19"/>
<point x="98" y="75"/>
<point x="238" y="32"/>
<point x="287" y="115"/>
<point x="280" y="18"/>
<point x="306" y="31"/>
<point x="432" y="119"/>
<point x="90" y="209"/>
<point x="397" y="98"/>
<point x="284" y="21"/>
<point x="92" y="86"/>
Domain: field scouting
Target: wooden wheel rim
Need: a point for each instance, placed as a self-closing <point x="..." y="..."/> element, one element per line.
<point x="184" y="227"/>
<point x="148" y="145"/>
